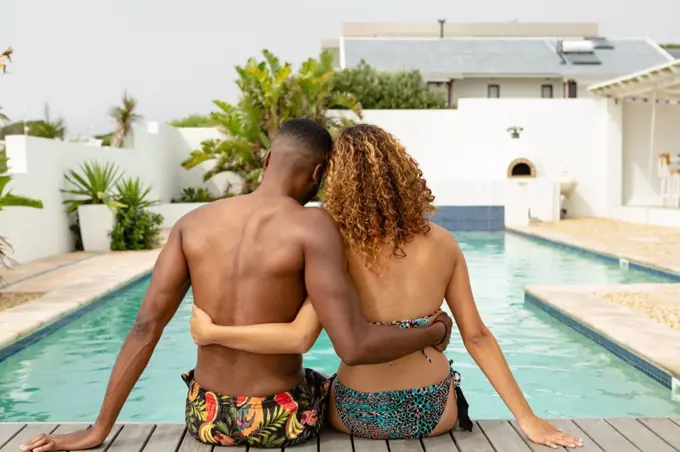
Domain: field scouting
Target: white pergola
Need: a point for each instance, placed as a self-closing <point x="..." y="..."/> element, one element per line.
<point x="658" y="84"/>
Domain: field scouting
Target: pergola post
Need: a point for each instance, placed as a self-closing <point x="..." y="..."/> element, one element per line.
<point x="652" y="137"/>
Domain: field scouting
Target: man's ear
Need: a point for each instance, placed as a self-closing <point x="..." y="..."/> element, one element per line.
<point x="318" y="173"/>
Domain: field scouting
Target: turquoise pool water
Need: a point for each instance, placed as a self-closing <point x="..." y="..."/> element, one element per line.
<point x="63" y="377"/>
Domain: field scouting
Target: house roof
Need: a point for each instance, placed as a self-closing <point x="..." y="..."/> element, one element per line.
<point x="460" y="57"/>
<point x="658" y="82"/>
<point x="675" y="53"/>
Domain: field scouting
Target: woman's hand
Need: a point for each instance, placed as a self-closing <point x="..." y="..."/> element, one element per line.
<point x="201" y="327"/>
<point x="80" y="440"/>
<point x="541" y="431"/>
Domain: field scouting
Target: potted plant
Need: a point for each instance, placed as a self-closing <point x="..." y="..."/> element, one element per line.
<point x="94" y="202"/>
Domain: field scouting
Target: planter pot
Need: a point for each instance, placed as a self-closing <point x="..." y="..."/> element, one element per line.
<point x="96" y="223"/>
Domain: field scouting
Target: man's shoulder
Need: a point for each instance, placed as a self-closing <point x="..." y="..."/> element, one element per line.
<point x="316" y="222"/>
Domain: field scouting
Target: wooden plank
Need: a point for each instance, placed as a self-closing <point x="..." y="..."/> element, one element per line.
<point x="534" y="447"/>
<point x="8" y="431"/>
<point x="166" y="437"/>
<point x="369" y="445"/>
<point x="664" y="429"/>
<point x="189" y="444"/>
<point x="331" y="441"/>
<point x="27" y="434"/>
<point x="405" y="445"/>
<point x="473" y="441"/>
<point x="109" y="439"/>
<point x="311" y="445"/>
<point x="567" y="426"/>
<point x="605" y="435"/>
<point x="132" y="438"/>
<point x="640" y="436"/>
<point x="63" y="429"/>
<point x="503" y="437"/>
<point x="441" y="443"/>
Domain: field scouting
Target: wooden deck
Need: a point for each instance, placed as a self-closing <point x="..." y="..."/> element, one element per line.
<point x="599" y="435"/>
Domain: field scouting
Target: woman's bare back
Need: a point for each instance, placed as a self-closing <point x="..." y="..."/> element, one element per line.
<point x="406" y="288"/>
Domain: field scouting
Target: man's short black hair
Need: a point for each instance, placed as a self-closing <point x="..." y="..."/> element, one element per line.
<point x="310" y="135"/>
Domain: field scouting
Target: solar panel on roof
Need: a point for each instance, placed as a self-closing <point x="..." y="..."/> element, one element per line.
<point x="582" y="58"/>
<point x="600" y="42"/>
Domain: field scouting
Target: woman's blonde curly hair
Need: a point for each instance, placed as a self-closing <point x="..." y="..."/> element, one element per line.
<point x="376" y="193"/>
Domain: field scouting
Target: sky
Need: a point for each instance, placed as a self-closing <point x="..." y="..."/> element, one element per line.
<point x="176" y="56"/>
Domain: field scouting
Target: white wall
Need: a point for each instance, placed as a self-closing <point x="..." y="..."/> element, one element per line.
<point x="465" y="153"/>
<point x="38" y="166"/>
<point x="640" y="188"/>
<point x="509" y="87"/>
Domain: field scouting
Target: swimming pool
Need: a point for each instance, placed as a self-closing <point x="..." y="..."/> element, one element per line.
<point x="63" y="376"/>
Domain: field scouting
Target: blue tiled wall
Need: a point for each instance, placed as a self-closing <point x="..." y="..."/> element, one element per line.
<point x="471" y="218"/>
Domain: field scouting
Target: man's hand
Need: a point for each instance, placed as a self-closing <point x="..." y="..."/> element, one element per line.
<point x="444" y="318"/>
<point x="201" y="326"/>
<point x="80" y="440"/>
<point x="541" y="431"/>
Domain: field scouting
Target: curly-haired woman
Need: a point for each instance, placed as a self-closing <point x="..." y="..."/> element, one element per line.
<point x="403" y="266"/>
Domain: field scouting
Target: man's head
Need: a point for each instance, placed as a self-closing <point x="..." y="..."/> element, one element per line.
<point x="298" y="157"/>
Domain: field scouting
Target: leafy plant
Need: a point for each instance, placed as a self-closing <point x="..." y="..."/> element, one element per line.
<point x="270" y="94"/>
<point x="124" y="116"/>
<point x="9" y="199"/>
<point x="48" y="128"/>
<point x="106" y="138"/>
<point x="194" y="121"/>
<point x="5" y="55"/>
<point x="191" y="194"/>
<point x="3" y="117"/>
<point x="133" y="194"/>
<point x="377" y="90"/>
<point x="136" y="229"/>
<point x="94" y="186"/>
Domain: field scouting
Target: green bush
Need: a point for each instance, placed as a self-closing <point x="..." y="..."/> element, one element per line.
<point x="135" y="228"/>
<point x="195" y="121"/>
<point x="191" y="194"/>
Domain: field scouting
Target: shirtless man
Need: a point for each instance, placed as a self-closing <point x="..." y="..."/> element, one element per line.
<point x="253" y="259"/>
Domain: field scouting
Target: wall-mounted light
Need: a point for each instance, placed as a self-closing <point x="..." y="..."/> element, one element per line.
<point x="515" y="131"/>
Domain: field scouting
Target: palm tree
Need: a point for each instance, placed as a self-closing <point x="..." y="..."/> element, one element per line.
<point x="124" y="116"/>
<point x="270" y="95"/>
<point x="3" y="117"/>
<point x="47" y="128"/>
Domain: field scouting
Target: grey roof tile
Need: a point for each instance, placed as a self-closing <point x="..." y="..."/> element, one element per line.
<point x="509" y="56"/>
<point x="675" y="53"/>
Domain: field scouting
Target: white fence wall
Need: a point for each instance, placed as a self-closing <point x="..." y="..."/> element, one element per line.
<point x="39" y="165"/>
<point x="464" y="155"/>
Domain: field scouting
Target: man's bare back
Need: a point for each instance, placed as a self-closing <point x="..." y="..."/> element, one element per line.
<point x="246" y="267"/>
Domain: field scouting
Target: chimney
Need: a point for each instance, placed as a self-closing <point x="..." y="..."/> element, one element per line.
<point x="441" y="27"/>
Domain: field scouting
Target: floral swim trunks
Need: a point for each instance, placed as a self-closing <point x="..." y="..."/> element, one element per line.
<point x="282" y="420"/>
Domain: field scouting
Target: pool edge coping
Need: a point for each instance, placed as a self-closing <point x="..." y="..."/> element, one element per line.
<point x="633" y="263"/>
<point x="644" y="364"/>
<point x="62" y="317"/>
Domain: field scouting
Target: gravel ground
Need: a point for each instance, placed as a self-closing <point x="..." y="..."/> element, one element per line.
<point x="660" y="305"/>
<point x="11" y="299"/>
